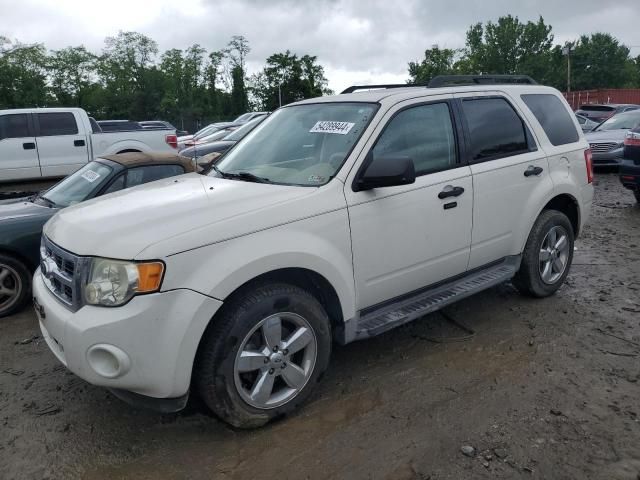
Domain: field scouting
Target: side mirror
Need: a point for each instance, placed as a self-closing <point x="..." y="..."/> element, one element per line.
<point x="385" y="171"/>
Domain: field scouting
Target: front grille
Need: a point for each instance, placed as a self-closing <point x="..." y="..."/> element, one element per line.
<point x="603" y="147"/>
<point x="59" y="270"/>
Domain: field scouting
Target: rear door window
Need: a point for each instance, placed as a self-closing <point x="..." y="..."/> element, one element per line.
<point x="495" y="129"/>
<point x="553" y="117"/>
<point x="15" y="125"/>
<point x="57" y="123"/>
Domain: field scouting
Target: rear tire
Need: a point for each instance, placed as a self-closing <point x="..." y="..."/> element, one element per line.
<point x="636" y="193"/>
<point x="547" y="255"/>
<point x="15" y="285"/>
<point x="248" y="369"/>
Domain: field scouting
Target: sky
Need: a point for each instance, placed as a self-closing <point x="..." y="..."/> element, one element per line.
<point x="356" y="41"/>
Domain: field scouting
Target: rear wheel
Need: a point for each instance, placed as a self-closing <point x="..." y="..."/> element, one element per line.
<point x="547" y="255"/>
<point x="262" y="357"/>
<point x="15" y="285"/>
<point x="636" y="193"/>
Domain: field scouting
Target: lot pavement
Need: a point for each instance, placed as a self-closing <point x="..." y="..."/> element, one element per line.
<point x="544" y="389"/>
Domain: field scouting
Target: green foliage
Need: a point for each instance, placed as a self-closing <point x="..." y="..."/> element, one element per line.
<point x="128" y="80"/>
<point x="436" y="62"/>
<point x="288" y="78"/>
<point x="510" y="46"/>
<point x="600" y="61"/>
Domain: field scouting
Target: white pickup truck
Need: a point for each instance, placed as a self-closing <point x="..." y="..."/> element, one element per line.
<point x="54" y="142"/>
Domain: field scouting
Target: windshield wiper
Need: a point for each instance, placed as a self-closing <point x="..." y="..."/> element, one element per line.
<point x="245" y="176"/>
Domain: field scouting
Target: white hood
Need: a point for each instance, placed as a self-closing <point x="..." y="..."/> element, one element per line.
<point x="198" y="209"/>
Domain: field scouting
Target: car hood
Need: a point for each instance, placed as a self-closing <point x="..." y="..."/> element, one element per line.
<point x="172" y="215"/>
<point x="19" y="209"/>
<point x="606" y="136"/>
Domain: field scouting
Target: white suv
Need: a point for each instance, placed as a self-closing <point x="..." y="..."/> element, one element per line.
<point x="338" y="218"/>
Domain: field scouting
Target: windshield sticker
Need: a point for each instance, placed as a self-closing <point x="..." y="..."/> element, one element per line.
<point x="341" y="128"/>
<point x="316" y="179"/>
<point x="90" y="176"/>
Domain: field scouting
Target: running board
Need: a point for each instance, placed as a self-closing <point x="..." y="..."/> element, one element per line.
<point x="405" y="310"/>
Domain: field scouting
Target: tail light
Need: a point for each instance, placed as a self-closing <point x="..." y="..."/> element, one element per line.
<point x="172" y="140"/>
<point x="588" y="160"/>
<point x="632" y="139"/>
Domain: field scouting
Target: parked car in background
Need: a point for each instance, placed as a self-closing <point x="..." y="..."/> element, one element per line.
<point x="601" y="112"/>
<point x="206" y="154"/>
<point x="607" y="139"/>
<point x="186" y="141"/>
<point x="54" y="142"/>
<point x="162" y="125"/>
<point x="119" y="125"/>
<point x="337" y="219"/>
<point x="203" y="132"/>
<point x="21" y="220"/>
<point x="586" y="124"/>
<point x="630" y="165"/>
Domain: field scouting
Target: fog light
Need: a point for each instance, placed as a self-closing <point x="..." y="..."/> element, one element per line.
<point x="108" y="361"/>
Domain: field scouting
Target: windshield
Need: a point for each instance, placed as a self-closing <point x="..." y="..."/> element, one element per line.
<point x="299" y="145"/>
<point x="205" y="131"/>
<point x="240" y="133"/>
<point x="243" y="118"/>
<point x="78" y="186"/>
<point x="213" y="137"/>
<point x="622" y="121"/>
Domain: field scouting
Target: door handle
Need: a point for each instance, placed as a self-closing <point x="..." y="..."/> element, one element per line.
<point x="450" y="191"/>
<point x="532" y="171"/>
<point x="78" y="143"/>
<point x="29" y="146"/>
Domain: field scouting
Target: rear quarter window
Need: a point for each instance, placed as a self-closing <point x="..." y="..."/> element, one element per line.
<point x="553" y="116"/>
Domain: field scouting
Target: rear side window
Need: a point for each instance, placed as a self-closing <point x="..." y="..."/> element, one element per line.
<point x="59" y="123"/>
<point x="495" y="129"/>
<point x="14" y="126"/>
<point x="424" y="134"/>
<point x="553" y="117"/>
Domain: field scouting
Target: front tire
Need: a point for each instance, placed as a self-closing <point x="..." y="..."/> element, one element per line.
<point x="15" y="285"/>
<point x="263" y="356"/>
<point x="547" y="255"/>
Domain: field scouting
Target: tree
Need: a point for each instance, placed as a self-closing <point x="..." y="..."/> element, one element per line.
<point x="127" y="70"/>
<point x="23" y="75"/>
<point x="71" y="74"/>
<point x="288" y="78"/>
<point x="508" y="47"/>
<point x="600" y="61"/>
<point x="436" y="62"/>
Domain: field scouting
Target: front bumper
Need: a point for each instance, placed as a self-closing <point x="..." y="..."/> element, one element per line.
<point x="146" y="346"/>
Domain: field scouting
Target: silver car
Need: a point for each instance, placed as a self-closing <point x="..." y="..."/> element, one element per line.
<point x="586" y="124"/>
<point x="607" y="139"/>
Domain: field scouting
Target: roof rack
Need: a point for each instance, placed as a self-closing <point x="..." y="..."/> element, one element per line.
<point x="459" y="80"/>
<point x="452" y="81"/>
<point x="355" y="88"/>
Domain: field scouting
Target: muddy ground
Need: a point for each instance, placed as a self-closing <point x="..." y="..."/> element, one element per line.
<point x="544" y="389"/>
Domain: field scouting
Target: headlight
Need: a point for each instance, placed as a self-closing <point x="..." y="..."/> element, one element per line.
<point x="114" y="282"/>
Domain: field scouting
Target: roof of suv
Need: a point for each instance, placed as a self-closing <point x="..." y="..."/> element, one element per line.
<point x="398" y="94"/>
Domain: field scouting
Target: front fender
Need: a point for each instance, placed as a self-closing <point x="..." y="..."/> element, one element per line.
<point x="320" y="244"/>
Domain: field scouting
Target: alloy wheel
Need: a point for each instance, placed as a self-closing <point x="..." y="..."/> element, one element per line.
<point x="554" y="254"/>
<point x="275" y="360"/>
<point x="10" y="286"/>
